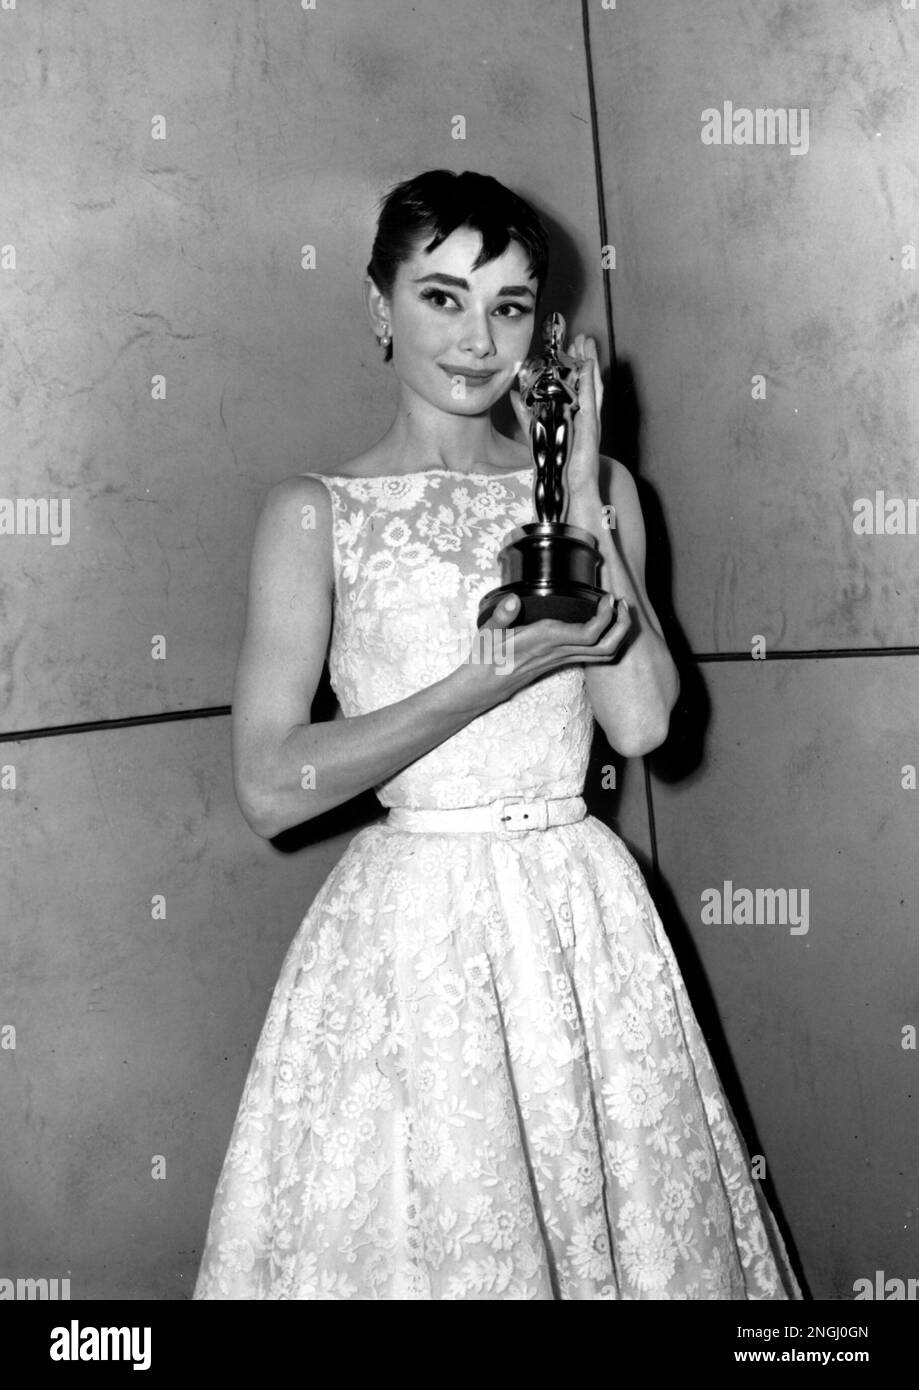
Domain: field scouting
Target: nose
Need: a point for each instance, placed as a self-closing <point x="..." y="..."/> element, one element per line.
<point x="477" y="335"/>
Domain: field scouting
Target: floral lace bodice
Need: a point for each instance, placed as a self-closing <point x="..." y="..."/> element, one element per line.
<point x="413" y="555"/>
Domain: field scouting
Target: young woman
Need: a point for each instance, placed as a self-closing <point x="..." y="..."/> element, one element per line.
<point x="480" y="1076"/>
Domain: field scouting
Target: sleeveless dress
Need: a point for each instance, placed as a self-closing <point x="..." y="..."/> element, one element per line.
<point x="480" y="1076"/>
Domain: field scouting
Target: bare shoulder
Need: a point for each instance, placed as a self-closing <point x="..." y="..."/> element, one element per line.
<point x="299" y="500"/>
<point x="295" y="509"/>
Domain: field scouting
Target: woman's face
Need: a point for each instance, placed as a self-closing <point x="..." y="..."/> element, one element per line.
<point x="449" y="320"/>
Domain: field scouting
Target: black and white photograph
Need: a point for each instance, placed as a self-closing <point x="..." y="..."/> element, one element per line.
<point x="459" y="590"/>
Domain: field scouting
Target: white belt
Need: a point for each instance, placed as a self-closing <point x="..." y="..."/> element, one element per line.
<point x="508" y="817"/>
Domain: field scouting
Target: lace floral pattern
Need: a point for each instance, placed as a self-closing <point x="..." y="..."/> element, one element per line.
<point x="413" y="556"/>
<point x="480" y="1076"/>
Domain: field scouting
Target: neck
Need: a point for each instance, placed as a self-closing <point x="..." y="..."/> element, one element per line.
<point x="421" y="436"/>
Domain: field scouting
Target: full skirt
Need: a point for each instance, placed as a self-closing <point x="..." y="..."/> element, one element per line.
<point x="480" y="1077"/>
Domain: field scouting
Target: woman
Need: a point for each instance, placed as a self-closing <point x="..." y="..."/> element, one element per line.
<point x="480" y="1076"/>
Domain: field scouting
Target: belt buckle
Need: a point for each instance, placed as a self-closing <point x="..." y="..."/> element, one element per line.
<point x="514" y="816"/>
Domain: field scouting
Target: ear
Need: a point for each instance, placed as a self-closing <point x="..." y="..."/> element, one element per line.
<point x="376" y="304"/>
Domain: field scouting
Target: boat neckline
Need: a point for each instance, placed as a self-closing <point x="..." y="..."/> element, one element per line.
<point x="420" y="473"/>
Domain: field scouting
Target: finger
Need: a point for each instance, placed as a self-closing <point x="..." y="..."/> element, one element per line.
<point x="505" y="612"/>
<point x="609" y="608"/>
<point x="623" y="619"/>
<point x="586" y="394"/>
<point x="589" y="632"/>
<point x="520" y="410"/>
<point x="586" y="378"/>
<point x="601" y="628"/>
<point x="609" y="643"/>
<point x="590" y="378"/>
<point x="603" y="650"/>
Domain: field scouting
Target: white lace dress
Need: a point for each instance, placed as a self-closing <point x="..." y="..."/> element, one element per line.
<point x="480" y="1076"/>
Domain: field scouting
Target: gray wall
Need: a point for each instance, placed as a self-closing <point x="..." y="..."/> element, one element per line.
<point x="736" y="261"/>
<point x="181" y="257"/>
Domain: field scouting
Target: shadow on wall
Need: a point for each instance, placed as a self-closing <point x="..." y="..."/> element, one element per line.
<point x="680" y="756"/>
<point x="683" y="751"/>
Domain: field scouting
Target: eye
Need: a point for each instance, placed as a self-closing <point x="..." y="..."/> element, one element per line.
<point x="440" y="299"/>
<point x="439" y="295"/>
<point x="520" y="310"/>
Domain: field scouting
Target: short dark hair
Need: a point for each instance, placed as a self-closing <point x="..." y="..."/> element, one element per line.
<point x="440" y="201"/>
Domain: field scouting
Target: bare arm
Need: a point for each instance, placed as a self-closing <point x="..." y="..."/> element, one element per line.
<point x="277" y="752"/>
<point x="633" y="699"/>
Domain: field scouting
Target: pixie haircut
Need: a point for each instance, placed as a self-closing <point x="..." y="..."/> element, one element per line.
<point x="439" y="202"/>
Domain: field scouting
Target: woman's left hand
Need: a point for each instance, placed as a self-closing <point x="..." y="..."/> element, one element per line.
<point x="582" y="469"/>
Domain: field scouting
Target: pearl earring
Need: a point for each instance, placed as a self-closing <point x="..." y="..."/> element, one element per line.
<point x="385" y="337"/>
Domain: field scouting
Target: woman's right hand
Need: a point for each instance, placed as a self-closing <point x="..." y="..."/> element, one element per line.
<point x="501" y="662"/>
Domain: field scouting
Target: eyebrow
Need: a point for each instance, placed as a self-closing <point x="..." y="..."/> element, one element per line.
<point x="464" y="284"/>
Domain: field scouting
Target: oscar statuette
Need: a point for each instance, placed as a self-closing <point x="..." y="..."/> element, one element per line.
<point x="552" y="566"/>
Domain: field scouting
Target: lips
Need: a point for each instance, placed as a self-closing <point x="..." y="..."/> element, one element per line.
<point x="468" y="374"/>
